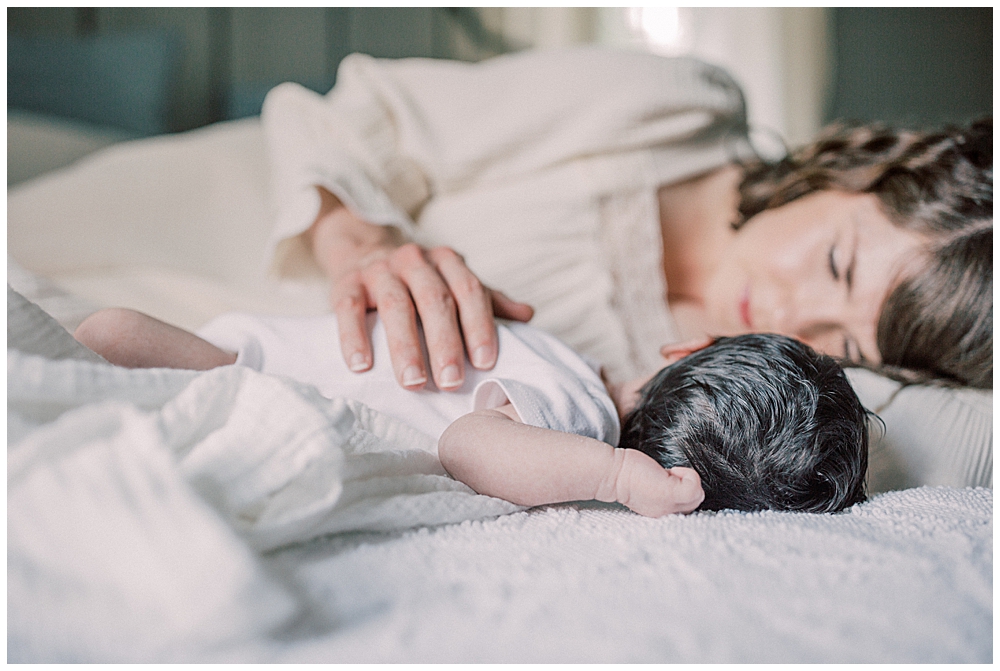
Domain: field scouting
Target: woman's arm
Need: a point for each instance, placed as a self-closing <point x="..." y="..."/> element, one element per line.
<point x="495" y="454"/>
<point x="392" y="134"/>
<point x="369" y="151"/>
<point x="372" y="268"/>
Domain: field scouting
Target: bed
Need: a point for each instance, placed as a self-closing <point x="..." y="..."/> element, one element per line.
<point x="231" y="517"/>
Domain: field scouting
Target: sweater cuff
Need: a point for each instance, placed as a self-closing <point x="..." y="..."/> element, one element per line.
<point x="290" y="253"/>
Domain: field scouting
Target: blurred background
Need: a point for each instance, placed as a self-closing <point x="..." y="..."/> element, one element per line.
<point x="100" y="75"/>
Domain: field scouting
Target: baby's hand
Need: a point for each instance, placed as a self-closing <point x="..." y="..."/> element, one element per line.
<point x="651" y="490"/>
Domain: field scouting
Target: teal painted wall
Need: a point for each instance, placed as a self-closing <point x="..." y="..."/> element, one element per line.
<point x="914" y="65"/>
<point x="227" y="58"/>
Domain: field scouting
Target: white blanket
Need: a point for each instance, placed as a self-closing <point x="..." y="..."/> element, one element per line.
<point x="110" y="470"/>
<point x="141" y="505"/>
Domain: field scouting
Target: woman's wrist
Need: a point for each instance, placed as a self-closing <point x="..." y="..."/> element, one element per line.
<point x="342" y="242"/>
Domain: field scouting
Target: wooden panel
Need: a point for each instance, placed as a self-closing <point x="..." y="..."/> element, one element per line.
<point x="913" y="65"/>
<point x="44" y="20"/>
<point x="277" y="44"/>
<point x="230" y="56"/>
<point x="193" y="93"/>
<point x="393" y="32"/>
<point x="338" y="37"/>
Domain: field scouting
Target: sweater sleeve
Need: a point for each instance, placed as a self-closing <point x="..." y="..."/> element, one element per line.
<point x="392" y="134"/>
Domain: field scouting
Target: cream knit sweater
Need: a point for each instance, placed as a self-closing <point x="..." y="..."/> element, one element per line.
<point x="541" y="168"/>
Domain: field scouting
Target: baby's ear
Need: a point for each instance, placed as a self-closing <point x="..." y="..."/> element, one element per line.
<point x="674" y="352"/>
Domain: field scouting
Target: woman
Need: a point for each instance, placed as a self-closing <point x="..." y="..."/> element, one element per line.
<point x="612" y="192"/>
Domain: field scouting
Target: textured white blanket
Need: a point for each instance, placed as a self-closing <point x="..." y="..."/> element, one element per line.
<point x="110" y="471"/>
<point x="141" y="505"/>
<point x="906" y="577"/>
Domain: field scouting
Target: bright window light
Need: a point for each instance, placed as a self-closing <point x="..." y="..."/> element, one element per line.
<point x="659" y="27"/>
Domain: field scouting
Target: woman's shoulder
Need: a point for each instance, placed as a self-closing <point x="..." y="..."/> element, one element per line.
<point x="617" y="66"/>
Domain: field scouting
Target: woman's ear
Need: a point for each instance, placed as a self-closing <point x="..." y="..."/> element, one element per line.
<point x="674" y="352"/>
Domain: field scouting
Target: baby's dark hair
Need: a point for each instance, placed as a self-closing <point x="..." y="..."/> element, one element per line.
<point x="767" y="422"/>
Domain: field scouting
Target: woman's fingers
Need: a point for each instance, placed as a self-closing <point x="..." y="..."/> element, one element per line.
<point x="436" y="305"/>
<point x="508" y="308"/>
<point x="674" y="352"/>
<point x="432" y="290"/>
<point x="474" y="305"/>
<point x="391" y="297"/>
<point x="349" y="300"/>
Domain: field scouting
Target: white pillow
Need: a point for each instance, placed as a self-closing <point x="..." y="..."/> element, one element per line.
<point x="37" y="143"/>
<point x="193" y="202"/>
<point x="933" y="435"/>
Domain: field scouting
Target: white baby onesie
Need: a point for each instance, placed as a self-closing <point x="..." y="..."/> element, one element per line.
<point x="548" y="384"/>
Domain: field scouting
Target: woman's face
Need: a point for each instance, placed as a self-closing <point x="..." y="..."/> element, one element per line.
<point x="817" y="269"/>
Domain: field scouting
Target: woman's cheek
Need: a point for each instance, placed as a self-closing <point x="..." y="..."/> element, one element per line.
<point x="717" y="313"/>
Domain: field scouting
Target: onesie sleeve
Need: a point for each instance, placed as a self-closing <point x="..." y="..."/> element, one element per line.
<point x="393" y="133"/>
<point x="555" y="389"/>
<point x="235" y="332"/>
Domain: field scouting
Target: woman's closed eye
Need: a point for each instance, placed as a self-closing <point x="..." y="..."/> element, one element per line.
<point x="832" y="259"/>
<point x="848" y="274"/>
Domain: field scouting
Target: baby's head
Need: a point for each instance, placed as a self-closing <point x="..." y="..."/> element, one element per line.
<point x="765" y="421"/>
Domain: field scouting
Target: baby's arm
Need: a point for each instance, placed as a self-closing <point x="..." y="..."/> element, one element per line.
<point x="496" y="454"/>
<point x="136" y="340"/>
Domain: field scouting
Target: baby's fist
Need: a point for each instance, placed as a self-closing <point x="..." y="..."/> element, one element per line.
<point x="651" y="490"/>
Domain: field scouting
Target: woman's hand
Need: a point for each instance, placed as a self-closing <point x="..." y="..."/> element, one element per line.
<point x="371" y="269"/>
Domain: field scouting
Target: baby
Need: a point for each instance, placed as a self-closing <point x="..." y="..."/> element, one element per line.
<point x="752" y="422"/>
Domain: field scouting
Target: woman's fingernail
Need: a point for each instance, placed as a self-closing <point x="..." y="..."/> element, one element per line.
<point x="450" y="377"/>
<point x="482" y="357"/>
<point x="413" y="376"/>
<point x="359" y="362"/>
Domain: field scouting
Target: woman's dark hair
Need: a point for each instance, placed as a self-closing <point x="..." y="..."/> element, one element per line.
<point x="766" y="422"/>
<point x="938" y="321"/>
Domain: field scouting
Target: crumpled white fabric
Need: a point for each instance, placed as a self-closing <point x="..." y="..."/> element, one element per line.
<point x="136" y="500"/>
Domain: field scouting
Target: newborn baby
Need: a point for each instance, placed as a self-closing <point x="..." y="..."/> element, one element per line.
<point x="753" y="422"/>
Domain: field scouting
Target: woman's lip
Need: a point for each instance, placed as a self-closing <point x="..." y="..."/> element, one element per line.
<point x="745" y="308"/>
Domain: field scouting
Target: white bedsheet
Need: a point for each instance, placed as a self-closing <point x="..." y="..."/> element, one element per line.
<point x="179" y="516"/>
<point x="906" y="577"/>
